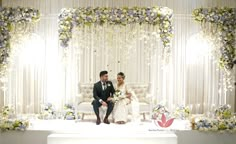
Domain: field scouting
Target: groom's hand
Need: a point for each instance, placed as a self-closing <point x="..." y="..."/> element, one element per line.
<point x="104" y="103"/>
<point x="109" y="99"/>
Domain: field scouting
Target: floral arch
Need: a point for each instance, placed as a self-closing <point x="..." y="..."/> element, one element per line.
<point x="224" y="20"/>
<point x="8" y="17"/>
<point x="80" y="17"/>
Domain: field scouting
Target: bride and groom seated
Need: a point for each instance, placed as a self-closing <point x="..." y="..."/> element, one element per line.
<point x="103" y="93"/>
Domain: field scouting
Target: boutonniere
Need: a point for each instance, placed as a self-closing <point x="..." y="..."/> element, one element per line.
<point x="108" y="84"/>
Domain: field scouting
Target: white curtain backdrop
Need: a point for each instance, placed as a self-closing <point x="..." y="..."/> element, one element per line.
<point x="39" y="74"/>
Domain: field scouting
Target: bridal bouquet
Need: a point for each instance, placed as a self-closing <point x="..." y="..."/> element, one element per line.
<point x="117" y="96"/>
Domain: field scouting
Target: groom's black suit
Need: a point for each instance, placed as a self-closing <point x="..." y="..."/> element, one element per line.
<point x="99" y="93"/>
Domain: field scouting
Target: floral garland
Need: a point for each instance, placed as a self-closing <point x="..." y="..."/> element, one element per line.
<point x="223" y="121"/>
<point x="8" y="16"/>
<point x="7" y="122"/>
<point x="225" y="19"/>
<point x="223" y="112"/>
<point x="21" y="125"/>
<point x="206" y="124"/>
<point x="79" y="17"/>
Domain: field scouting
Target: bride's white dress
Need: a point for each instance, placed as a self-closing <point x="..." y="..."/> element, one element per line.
<point x="124" y="106"/>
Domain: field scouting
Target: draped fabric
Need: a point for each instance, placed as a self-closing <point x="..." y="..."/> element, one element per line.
<point x="41" y="73"/>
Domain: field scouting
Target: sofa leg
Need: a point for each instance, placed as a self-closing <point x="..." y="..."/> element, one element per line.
<point x="144" y="117"/>
<point x="82" y="118"/>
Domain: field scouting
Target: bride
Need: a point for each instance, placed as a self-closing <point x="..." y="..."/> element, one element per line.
<point x="125" y="103"/>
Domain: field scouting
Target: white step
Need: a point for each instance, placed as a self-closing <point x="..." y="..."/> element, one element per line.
<point x="148" y="138"/>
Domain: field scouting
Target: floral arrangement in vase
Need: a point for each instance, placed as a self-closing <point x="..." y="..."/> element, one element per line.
<point x="158" y="110"/>
<point x="182" y="112"/>
<point x="7" y="112"/>
<point x="47" y="112"/>
<point x="69" y="112"/>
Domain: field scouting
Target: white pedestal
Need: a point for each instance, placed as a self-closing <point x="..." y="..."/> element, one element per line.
<point x="148" y="138"/>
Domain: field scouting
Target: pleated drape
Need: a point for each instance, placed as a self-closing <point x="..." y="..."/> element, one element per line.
<point x="42" y="74"/>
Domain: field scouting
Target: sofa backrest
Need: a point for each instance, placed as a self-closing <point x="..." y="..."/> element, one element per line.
<point x="141" y="90"/>
<point x="87" y="92"/>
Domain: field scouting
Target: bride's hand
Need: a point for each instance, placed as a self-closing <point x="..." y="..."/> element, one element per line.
<point x="128" y="95"/>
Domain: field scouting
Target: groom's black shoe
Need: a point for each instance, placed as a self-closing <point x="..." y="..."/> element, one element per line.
<point x="98" y="122"/>
<point x="106" y="121"/>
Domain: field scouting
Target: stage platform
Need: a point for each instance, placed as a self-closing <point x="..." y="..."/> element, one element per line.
<point x="71" y="132"/>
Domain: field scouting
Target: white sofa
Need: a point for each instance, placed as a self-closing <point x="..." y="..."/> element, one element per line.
<point x="85" y="98"/>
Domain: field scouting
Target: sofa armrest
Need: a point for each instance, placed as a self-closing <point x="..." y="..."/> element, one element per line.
<point x="79" y="98"/>
<point x="149" y="98"/>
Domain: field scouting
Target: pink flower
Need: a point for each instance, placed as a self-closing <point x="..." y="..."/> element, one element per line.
<point x="164" y="123"/>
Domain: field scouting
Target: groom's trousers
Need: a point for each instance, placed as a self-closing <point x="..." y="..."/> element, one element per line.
<point x="96" y="104"/>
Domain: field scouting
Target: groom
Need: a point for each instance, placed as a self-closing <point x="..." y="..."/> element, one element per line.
<point x="103" y="90"/>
